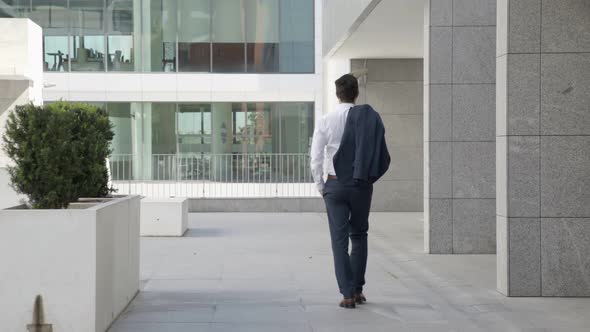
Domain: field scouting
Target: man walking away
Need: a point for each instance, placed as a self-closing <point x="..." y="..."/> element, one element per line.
<point x="352" y="138"/>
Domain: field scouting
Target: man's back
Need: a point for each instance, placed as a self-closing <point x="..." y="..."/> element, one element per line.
<point x="328" y="135"/>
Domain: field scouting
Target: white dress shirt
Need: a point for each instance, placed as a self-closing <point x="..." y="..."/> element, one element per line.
<point x="327" y="136"/>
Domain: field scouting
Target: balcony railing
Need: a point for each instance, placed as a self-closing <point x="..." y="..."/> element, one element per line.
<point x="214" y="175"/>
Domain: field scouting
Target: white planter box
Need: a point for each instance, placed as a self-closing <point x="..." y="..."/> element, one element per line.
<point x="84" y="262"/>
<point x="164" y="216"/>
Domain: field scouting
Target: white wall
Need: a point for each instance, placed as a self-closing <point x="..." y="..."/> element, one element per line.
<point x="21" y="82"/>
<point x="21" y="68"/>
<point x="54" y="260"/>
<point x="173" y="87"/>
<point x="8" y="198"/>
<point x="334" y="68"/>
<point x="85" y="264"/>
<point x="342" y="16"/>
<point x="393" y="29"/>
<point x="21" y="56"/>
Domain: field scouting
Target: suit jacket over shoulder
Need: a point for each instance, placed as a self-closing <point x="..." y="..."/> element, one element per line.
<point x="363" y="154"/>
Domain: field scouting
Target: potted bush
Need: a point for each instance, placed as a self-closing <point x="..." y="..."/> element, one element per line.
<point x="83" y="258"/>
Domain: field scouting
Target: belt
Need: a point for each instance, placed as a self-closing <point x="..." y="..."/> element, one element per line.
<point x="332" y="177"/>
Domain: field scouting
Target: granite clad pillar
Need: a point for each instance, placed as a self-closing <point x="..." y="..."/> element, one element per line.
<point x="543" y="147"/>
<point x="459" y="126"/>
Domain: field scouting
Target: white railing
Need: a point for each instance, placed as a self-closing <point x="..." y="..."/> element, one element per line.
<point x="215" y="175"/>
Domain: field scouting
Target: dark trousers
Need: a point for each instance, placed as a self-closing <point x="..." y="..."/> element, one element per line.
<point x="348" y="209"/>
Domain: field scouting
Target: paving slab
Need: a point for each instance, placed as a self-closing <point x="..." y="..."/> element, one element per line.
<point x="273" y="272"/>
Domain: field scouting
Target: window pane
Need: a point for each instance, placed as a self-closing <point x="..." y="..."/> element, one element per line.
<point x="194" y="128"/>
<point x="262" y="35"/>
<point x="121" y="160"/>
<point x="228" y="36"/>
<point x="120" y="37"/>
<point x="159" y="44"/>
<point x="87" y="45"/>
<point x="296" y="127"/>
<point x="194" y="35"/>
<point x="252" y="125"/>
<point x="53" y="18"/>
<point x="163" y="134"/>
<point x="297" y="36"/>
<point x="14" y="8"/>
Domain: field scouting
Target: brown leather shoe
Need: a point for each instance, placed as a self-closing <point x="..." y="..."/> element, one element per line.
<point x="359" y="298"/>
<point x="348" y="303"/>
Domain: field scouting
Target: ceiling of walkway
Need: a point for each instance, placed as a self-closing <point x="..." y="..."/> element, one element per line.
<point x="394" y="29"/>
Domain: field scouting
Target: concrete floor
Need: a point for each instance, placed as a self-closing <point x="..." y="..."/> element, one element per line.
<point x="273" y="272"/>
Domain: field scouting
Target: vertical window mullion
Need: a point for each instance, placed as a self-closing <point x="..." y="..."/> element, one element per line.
<point x="245" y="33"/>
<point x="176" y="7"/>
<point x="211" y="37"/>
<point x="278" y="53"/>
<point x="104" y="35"/>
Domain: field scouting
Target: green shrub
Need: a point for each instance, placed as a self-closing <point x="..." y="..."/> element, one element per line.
<point x="59" y="153"/>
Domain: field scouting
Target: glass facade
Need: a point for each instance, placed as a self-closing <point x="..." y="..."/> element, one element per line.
<point x="120" y="36"/>
<point x="220" y="36"/>
<point x="194" y="35"/>
<point x="171" y="141"/>
<point x="87" y="41"/>
<point x="54" y="17"/>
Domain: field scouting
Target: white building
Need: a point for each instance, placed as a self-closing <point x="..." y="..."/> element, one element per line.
<point x="199" y="91"/>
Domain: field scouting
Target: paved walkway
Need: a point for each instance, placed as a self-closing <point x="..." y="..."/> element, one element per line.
<point x="273" y="272"/>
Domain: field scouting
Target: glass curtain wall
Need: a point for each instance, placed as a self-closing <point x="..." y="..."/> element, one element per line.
<point x="121" y="159"/>
<point x="14" y="8"/>
<point x="296" y="46"/>
<point x="54" y="17"/>
<point x="228" y="35"/>
<point x="194" y="35"/>
<point x="208" y="141"/>
<point x="262" y="36"/>
<point x="87" y="41"/>
<point x="120" y="35"/>
<point x="221" y="36"/>
<point x="159" y="25"/>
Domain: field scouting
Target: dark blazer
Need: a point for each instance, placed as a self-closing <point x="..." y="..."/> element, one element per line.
<point x="362" y="155"/>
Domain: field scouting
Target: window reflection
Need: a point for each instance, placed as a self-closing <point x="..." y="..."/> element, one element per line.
<point x="54" y="18"/>
<point x="194" y="128"/>
<point x="14" y="8"/>
<point x="228" y="36"/>
<point x="262" y="36"/>
<point x="159" y="36"/>
<point x="121" y="159"/>
<point x="297" y="36"/>
<point x="87" y="44"/>
<point x="120" y="35"/>
<point x="194" y="36"/>
<point x="163" y="140"/>
<point x="252" y="127"/>
<point x="223" y="36"/>
<point x="212" y="141"/>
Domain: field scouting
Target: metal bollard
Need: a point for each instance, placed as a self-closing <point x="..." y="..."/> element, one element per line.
<point x="38" y="324"/>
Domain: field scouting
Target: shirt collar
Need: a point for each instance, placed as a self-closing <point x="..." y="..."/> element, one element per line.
<point x="344" y="106"/>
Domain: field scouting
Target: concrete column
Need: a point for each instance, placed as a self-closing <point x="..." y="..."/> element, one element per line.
<point x="137" y="53"/>
<point x="543" y="150"/>
<point x="221" y="140"/>
<point x="459" y="129"/>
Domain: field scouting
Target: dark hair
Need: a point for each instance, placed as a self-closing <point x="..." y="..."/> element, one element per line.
<point x="347" y="88"/>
